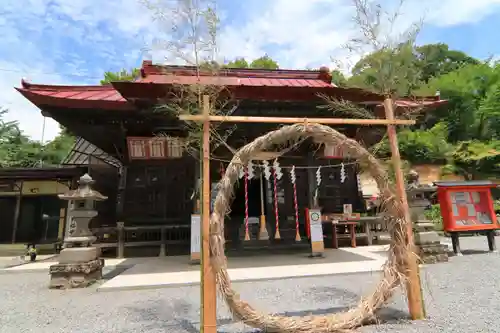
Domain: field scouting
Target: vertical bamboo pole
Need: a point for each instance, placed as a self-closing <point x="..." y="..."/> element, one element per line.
<point x="208" y="290"/>
<point x="414" y="291"/>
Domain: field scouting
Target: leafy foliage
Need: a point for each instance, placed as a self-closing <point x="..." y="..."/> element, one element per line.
<point x="123" y="75"/>
<point x="264" y="62"/>
<point x="421" y="146"/>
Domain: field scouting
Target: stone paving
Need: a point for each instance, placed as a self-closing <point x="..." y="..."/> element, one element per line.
<point x="461" y="296"/>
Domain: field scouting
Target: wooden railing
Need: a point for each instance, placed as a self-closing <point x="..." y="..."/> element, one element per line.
<point x="121" y="237"/>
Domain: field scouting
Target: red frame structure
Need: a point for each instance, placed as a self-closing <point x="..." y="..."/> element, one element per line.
<point x="467" y="206"/>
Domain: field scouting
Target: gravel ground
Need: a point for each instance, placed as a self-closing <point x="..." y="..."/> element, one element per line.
<point x="461" y="296"/>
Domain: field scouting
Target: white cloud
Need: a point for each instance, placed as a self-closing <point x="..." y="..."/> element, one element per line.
<point x="297" y="33"/>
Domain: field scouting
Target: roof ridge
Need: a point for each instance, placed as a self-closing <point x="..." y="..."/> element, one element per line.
<point x="27" y="85"/>
<point x="323" y="74"/>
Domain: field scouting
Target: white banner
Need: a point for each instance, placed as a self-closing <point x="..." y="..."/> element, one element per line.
<point x="195" y="233"/>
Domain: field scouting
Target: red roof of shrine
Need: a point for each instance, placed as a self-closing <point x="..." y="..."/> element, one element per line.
<point x="254" y="84"/>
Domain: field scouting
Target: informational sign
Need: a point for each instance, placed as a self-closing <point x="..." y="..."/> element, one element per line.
<point x="317" y="244"/>
<point x="347" y="210"/>
<point x="195" y="237"/>
<point x="470" y="208"/>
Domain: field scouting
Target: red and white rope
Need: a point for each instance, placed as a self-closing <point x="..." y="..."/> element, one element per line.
<point x="295" y="202"/>
<point x="246" y="203"/>
<point x="276" y="215"/>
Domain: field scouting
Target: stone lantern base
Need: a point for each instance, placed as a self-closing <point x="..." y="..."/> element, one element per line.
<point x="77" y="268"/>
<point x="428" y="245"/>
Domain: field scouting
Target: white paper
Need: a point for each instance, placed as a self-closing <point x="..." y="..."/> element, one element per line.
<point x="195" y="233"/>
<point x="471" y="210"/>
<point x="476" y="198"/>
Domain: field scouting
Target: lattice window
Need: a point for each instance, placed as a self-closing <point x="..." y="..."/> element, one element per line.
<point x="157" y="148"/>
<point x="137" y="148"/>
<point x="175" y="147"/>
<point x="331" y="151"/>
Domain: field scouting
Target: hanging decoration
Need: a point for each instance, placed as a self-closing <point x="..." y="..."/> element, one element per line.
<point x="249" y="174"/>
<point x="295" y="202"/>
<point x="318" y="182"/>
<point x="247" y="234"/>
<point x="267" y="170"/>
<point x="358" y="180"/>
<point x="277" y="175"/>
<point x="343" y="175"/>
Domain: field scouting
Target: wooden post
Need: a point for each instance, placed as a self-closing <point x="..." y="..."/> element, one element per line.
<point x="120" y="228"/>
<point x="414" y="291"/>
<point x="208" y="289"/>
<point x="17" y="212"/>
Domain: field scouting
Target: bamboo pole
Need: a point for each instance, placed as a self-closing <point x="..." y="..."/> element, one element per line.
<point x="414" y="293"/>
<point x="208" y="289"/>
<point x="289" y="120"/>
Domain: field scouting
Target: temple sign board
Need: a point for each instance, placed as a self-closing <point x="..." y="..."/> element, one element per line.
<point x="467" y="207"/>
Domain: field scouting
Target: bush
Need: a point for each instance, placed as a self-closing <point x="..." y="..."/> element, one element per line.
<point x="434" y="215"/>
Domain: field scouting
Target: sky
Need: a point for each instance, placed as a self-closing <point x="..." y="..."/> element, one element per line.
<point x="73" y="42"/>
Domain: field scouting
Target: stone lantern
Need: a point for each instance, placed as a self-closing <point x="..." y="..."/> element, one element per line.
<point x="427" y="240"/>
<point x="79" y="263"/>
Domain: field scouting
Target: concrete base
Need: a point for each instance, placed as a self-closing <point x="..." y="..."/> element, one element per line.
<point x="75" y="275"/>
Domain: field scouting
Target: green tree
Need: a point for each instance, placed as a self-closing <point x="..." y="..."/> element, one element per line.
<point x="434" y="60"/>
<point x="238" y="63"/>
<point x="264" y="62"/>
<point x="123" y="75"/>
<point x="338" y="78"/>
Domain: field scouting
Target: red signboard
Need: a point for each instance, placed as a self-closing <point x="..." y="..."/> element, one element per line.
<point x="154" y="147"/>
<point x="467" y="207"/>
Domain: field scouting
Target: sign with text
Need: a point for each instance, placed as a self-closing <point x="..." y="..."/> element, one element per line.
<point x="316" y="232"/>
<point x="195" y="237"/>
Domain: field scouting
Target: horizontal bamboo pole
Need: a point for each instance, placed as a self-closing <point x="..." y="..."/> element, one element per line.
<point x="289" y="120"/>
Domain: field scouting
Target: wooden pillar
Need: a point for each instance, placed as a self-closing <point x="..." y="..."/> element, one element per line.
<point x="120" y="228"/>
<point x="414" y="289"/>
<point x="120" y="195"/>
<point x="17" y="211"/>
<point x="208" y="289"/>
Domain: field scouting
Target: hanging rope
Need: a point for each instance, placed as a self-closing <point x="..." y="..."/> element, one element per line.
<point x="276" y="213"/>
<point x="393" y="271"/>
<point x="247" y="235"/>
<point x="295" y="202"/>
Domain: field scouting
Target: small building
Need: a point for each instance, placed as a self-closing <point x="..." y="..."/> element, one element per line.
<point x="30" y="210"/>
<point x="153" y="182"/>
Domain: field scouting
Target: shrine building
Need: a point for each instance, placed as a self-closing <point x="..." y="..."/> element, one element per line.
<point x="135" y="151"/>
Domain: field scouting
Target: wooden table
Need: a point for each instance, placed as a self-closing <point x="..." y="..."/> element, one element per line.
<point x="352" y="233"/>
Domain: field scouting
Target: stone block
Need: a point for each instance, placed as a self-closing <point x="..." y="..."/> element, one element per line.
<point x="67" y="276"/>
<point x="78" y="255"/>
<point x="426" y="237"/>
